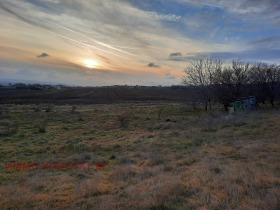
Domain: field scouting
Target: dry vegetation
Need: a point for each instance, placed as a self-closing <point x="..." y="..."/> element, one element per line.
<point x="175" y="158"/>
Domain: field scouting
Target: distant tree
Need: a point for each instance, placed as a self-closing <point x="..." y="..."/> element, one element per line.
<point x="201" y="73"/>
<point x="231" y="82"/>
<point x="265" y="81"/>
<point x="223" y="85"/>
<point x="258" y="81"/>
<point x="272" y="74"/>
<point x="227" y="83"/>
<point x="240" y="77"/>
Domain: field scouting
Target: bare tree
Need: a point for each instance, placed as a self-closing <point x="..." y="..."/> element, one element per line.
<point x="201" y="73"/>
<point x="265" y="80"/>
<point x="223" y="84"/>
<point x="272" y="74"/>
<point x="258" y="81"/>
<point x="240" y="76"/>
<point x="227" y="83"/>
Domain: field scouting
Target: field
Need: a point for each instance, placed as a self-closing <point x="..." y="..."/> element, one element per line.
<point x="160" y="156"/>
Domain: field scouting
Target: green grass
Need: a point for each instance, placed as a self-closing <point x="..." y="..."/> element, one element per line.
<point x="196" y="160"/>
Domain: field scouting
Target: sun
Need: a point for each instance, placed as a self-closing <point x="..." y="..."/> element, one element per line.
<point x="89" y="63"/>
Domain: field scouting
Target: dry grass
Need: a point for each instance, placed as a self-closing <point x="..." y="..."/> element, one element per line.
<point x="195" y="161"/>
<point x="8" y="127"/>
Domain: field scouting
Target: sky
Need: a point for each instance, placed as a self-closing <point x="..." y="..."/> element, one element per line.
<point x="131" y="42"/>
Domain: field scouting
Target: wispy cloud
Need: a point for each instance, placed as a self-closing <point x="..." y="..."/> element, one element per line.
<point x="124" y="36"/>
<point x="52" y="1"/>
<point x="270" y="42"/>
<point x="168" y="17"/>
<point x="170" y="76"/>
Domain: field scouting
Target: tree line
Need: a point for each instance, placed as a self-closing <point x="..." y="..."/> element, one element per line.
<point x="217" y="81"/>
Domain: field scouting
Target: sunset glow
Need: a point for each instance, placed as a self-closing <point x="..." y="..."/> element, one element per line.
<point x="115" y="42"/>
<point x="90" y="63"/>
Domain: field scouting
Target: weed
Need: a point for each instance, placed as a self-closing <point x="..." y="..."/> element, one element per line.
<point x="73" y="109"/>
<point x="42" y="126"/>
<point x="49" y="108"/>
<point x="159" y="112"/>
<point x="123" y="120"/>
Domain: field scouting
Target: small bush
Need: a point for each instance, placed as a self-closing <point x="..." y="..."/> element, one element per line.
<point x="36" y="109"/>
<point x="159" y="112"/>
<point x="49" y="108"/>
<point x="123" y="120"/>
<point x="73" y="108"/>
<point x="42" y="127"/>
<point x="80" y="118"/>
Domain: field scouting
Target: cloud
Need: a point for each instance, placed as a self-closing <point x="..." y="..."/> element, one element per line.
<point x="27" y="73"/>
<point x="176" y="54"/>
<point x="252" y="10"/>
<point x="153" y="65"/>
<point x="104" y="25"/>
<point x="252" y="7"/>
<point x="43" y="55"/>
<point x="249" y="55"/>
<point x="169" y="76"/>
<point x="52" y="1"/>
<point x="124" y="36"/>
<point x="202" y="3"/>
<point x="168" y="17"/>
<point x="266" y="42"/>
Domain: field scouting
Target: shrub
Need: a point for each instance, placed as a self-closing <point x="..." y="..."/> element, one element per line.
<point x="37" y="109"/>
<point x="42" y="127"/>
<point x="49" y="108"/>
<point x="80" y="118"/>
<point x="73" y="108"/>
<point x="159" y="111"/>
<point x="123" y="120"/>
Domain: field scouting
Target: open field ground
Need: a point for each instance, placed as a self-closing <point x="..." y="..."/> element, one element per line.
<point x="98" y="95"/>
<point x="164" y="156"/>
